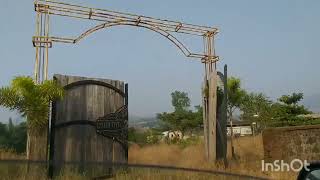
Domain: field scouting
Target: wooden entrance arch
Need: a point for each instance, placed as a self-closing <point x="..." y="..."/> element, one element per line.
<point x="42" y="41"/>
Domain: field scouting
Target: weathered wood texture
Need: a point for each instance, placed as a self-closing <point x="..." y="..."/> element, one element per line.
<point x="81" y="142"/>
<point x="209" y="115"/>
<point x="222" y="114"/>
<point x="212" y="117"/>
<point x="205" y="116"/>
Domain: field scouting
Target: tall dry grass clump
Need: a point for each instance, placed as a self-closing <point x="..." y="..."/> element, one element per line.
<point x="10" y="154"/>
<point x="249" y="156"/>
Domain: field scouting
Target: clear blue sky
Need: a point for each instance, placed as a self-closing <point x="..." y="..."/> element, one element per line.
<point x="272" y="45"/>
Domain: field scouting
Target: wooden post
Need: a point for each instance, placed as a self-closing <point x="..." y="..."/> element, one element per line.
<point x="126" y="102"/>
<point x="210" y="98"/>
<point x="52" y="135"/>
<point x="209" y="115"/>
<point x="222" y="118"/>
<point x="212" y="101"/>
<point x="225" y="106"/>
<point x="205" y="89"/>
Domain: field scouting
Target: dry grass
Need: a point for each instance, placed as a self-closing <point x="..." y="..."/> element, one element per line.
<point x="10" y="154"/>
<point x="172" y="175"/>
<point x="249" y="151"/>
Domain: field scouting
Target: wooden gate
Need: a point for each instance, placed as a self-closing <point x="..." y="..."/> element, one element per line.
<point x="89" y="124"/>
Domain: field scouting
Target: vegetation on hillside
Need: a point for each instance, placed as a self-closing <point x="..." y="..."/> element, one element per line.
<point x="13" y="137"/>
<point x="182" y="118"/>
<point x="253" y="107"/>
<point x="257" y="107"/>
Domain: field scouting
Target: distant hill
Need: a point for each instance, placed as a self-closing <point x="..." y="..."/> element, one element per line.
<point x="312" y="102"/>
<point x="15" y="120"/>
<point x="143" y="122"/>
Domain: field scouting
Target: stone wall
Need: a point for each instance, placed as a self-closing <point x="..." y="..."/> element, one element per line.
<point x="288" y="143"/>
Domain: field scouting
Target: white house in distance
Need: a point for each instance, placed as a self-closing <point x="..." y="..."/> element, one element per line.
<point x="311" y="116"/>
<point x="241" y="128"/>
<point x="172" y="134"/>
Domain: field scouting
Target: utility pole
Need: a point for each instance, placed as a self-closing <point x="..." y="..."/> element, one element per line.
<point x="210" y="98"/>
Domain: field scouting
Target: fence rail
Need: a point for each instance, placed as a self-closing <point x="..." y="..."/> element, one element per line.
<point x="129" y="165"/>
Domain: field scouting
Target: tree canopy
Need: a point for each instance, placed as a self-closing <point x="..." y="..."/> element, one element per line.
<point x="292" y="99"/>
<point x="287" y="110"/>
<point x="182" y="118"/>
<point x="256" y="107"/>
<point x="180" y="101"/>
<point x="31" y="100"/>
<point x="235" y="95"/>
<point x="13" y="137"/>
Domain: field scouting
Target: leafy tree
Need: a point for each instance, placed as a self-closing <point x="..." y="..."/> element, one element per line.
<point x="235" y="95"/>
<point x="256" y="107"/>
<point x="291" y="99"/>
<point x="235" y="99"/>
<point x="198" y="116"/>
<point x="180" y="101"/>
<point x="19" y="138"/>
<point x="13" y="136"/>
<point x="291" y="106"/>
<point x="282" y="113"/>
<point x="178" y="120"/>
<point x="31" y="100"/>
<point x="182" y="118"/>
<point x="286" y="111"/>
<point x="3" y="136"/>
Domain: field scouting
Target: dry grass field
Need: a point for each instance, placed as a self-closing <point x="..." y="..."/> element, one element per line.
<point x="249" y="153"/>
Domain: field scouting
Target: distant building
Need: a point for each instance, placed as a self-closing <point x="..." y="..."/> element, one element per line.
<point x="311" y="116"/>
<point x="241" y="128"/>
<point x="172" y="135"/>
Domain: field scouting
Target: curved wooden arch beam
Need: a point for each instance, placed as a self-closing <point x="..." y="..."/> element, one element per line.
<point x="165" y="34"/>
<point x="113" y="18"/>
<point x="156" y="29"/>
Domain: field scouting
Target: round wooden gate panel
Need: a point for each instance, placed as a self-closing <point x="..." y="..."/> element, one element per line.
<point x="90" y="123"/>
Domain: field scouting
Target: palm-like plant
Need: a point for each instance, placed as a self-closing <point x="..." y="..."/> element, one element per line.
<point x="31" y="100"/>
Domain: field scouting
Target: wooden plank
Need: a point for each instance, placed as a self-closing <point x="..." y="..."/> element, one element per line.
<point x="212" y="101"/>
<point x="205" y="117"/>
